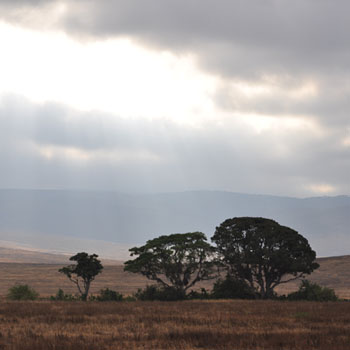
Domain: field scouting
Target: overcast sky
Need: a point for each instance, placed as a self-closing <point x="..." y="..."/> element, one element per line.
<point x="164" y="95"/>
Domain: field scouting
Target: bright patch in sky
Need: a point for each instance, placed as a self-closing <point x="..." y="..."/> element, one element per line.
<point x="53" y="153"/>
<point x="113" y="76"/>
<point x="322" y="188"/>
<point x="260" y="123"/>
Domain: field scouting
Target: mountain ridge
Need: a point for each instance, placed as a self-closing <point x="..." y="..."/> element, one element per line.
<point x="34" y="216"/>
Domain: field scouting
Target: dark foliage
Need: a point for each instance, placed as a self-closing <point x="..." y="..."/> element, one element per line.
<point x="177" y="261"/>
<point x="263" y="253"/>
<point x="109" y="295"/>
<point x="232" y="288"/>
<point x="313" y="292"/>
<point x="22" y="292"/>
<point x="62" y="296"/>
<point x="202" y="294"/>
<point x="83" y="272"/>
<point x="160" y="293"/>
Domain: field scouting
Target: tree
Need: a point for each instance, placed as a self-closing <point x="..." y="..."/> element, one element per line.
<point x="177" y="261"/>
<point x="83" y="272"/>
<point x="263" y="253"/>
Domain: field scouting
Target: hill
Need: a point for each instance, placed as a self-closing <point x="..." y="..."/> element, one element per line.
<point x="10" y="255"/>
<point x="334" y="272"/>
<point x="66" y="221"/>
<point x="20" y="256"/>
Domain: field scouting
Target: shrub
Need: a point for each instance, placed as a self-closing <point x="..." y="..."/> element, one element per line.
<point x="232" y="288"/>
<point x="154" y="292"/>
<point x="61" y="296"/>
<point x="22" y="292"/>
<point x="109" y="295"/>
<point x="313" y="292"/>
<point x="203" y="294"/>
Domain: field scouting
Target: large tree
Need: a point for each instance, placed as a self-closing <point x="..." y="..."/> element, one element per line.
<point x="263" y="253"/>
<point x="176" y="261"/>
<point x="82" y="273"/>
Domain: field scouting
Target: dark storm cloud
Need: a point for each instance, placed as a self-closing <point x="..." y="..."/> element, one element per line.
<point x="227" y="156"/>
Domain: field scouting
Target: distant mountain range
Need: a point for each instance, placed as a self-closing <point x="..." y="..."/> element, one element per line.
<point x="60" y="220"/>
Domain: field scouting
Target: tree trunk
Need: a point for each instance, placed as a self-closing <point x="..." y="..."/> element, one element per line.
<point x="86" y="291"/>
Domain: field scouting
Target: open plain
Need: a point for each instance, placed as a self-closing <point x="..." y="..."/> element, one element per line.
<point x="195" y="324"/>
<point x="253" y="325"/>
<point x="44" y="277"/>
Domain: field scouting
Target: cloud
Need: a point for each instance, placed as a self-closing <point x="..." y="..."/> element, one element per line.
<point x="235" y="38"/>
<point x="325" y="102"/>
<point x="37" y="14"/>
<point x="282" y="121"/>
<point x="281" y="44"/>
<point x="52" y="146"/>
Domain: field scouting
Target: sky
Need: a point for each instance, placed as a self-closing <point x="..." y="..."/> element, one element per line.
<point x="163" y="95"/>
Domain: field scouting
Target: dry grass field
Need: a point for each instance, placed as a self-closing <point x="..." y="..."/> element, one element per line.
<point x="174" y="325"/>
<point x="253" y="325"/>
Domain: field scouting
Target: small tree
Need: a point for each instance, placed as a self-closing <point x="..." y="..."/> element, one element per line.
<point x="177" y="261"/>
<point x="83" y="272"/>
<point x="263" y="253"/>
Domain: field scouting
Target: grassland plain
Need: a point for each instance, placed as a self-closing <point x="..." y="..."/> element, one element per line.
<point x="333" y="272"/>
<point x="253" y="325"/>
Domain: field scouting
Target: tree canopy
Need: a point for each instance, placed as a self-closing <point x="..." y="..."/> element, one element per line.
<point x="263" y="253"/>
<point x="83" y="272"/>
<point x="175" y="261"/>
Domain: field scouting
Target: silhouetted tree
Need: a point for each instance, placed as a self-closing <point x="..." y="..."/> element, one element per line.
<point x="83" y="272"/>
<point x="177" y="261"/>
<point x="263" y="253"/>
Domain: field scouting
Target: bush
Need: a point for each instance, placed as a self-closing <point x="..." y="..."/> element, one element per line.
<point x="22" y="292"/>
<point x="313" y="292"/>
<point x="61" y="296"/>
<point x="203" y="294"/>
<point x="232" y="288"/>
<point x="109" y="295"/>
<point x="154" y="292"/>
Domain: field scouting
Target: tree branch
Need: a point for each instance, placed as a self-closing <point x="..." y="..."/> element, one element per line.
<point x="286" y="281"/>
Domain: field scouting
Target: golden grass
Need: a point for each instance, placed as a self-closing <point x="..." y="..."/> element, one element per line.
<point x="253" y="325"/>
